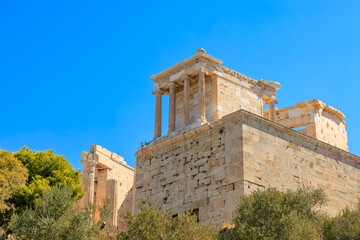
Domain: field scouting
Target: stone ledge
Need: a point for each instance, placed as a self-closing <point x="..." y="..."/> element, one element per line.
<point x="191" y="130"/>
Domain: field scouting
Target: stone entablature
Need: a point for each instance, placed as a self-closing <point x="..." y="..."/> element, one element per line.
<point x="106" y="174"/>
<point x="315" y="119"/>
<point x="209" y="167"/>
<point x="200" y="90"/>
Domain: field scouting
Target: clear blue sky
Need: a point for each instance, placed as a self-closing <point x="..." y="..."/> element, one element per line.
<point x="76" y="73"/>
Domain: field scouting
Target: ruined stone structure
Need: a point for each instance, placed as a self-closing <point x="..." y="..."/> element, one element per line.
<point x="221" y="144"/>
<point x="107" y="175"/>
<point x="315" y="119"/>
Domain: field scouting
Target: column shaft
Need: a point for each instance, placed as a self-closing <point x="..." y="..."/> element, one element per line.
<point x="157" y="131"/>
<point x="201" y="97"/>
<point x="172" y="108"/>
<point x="271" y="111"/>
<point x="186" y="101"/>
<point x="91" y="180"/>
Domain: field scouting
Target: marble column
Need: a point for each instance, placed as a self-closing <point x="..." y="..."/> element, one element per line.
<point x="171" y="125"/>
<point x="91" y="182"/>
<point x="157" y="130"/>
<point x="201" y="97"/>
<point x="271" y="110"/>
<point x="186" y="105"/>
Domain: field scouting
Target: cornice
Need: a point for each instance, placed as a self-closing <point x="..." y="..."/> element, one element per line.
<point x="188" y="132"/>
<point x="186" y="61"/>
<point x="319" y="105"/>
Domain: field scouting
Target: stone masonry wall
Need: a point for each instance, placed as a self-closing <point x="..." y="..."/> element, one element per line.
<point x="113" y="178"/>
<point x="223" y="95"/>
<point x="234" y="94"/>
<point x="317" y="121"/>
<point x="283" y="159"/>
<point x="331" y="130"/>
<point x="210" y="102"/>
<point x="125" y="179"/>
<point x="208" y="168"/>
<point x="100" y="189"/>
<point x="201" y="172"/>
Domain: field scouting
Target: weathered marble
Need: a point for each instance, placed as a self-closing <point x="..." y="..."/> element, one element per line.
<point x="107" y="175"/>
<point x="206" y="165"/>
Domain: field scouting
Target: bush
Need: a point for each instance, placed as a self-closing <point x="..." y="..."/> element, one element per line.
<point x="345" y="226"/>
<point x="54" y="217"/>
<point x="155" y="223"/>
<point x="271" y="214"/>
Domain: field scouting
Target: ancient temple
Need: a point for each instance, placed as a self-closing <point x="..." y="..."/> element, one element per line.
<point x="200" y="90"/>
<point x="222" y="143"/>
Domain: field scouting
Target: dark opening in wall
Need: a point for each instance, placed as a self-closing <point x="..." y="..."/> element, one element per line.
<point x="195" y="212"/>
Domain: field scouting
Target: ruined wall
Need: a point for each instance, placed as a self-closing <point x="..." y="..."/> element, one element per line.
<point x="316" y="120"/>
<point x="300" y="119"/>
<point x="100" y="186"/>
<point x="113" y="178"/>
<point x="210" y="167"/>
<point x="331" y="130"/>
<point x="125" y="180"/>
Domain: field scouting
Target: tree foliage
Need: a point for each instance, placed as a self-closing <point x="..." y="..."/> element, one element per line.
<point x="12" y="176"/>
<point x="271" y="214"/>
<point x="54" y="217"/>
<point x="345" y="226"/>
<point x="46" y="169"/>
<point x="156" y="223"/>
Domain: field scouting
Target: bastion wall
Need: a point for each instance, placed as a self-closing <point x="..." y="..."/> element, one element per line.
<point x="208" y="168"/>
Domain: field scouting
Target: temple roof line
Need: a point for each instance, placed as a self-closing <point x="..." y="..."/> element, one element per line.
<point x="200" y="53"/>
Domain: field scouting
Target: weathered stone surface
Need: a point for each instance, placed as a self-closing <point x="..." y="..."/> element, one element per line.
<point x="112" y="178"/>
<point x="315" y="119"/>
<point x="206" y="166"/>
<point x="211" y="169"/>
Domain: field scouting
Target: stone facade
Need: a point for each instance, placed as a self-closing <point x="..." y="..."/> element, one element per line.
<point x="315" y="119"/>
<point x="201" y="90"/>
<point x="221" y="144"/>
<point x="107" y="175"/>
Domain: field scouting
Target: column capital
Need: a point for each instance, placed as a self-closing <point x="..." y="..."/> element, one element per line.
<point x="156" y="91"/>
<point x="185" y="77"/>
<point x="270" y="100"/>
<point x="202" y="70"/>
<point x="92" y="163"/>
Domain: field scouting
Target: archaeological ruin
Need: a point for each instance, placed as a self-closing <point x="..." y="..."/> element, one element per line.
<point x="222" y="143"/>
<point x="107" y="175"/>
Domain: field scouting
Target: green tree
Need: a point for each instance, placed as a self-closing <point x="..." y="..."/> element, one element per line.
<point x="271" y="214"/>
<point x="54" y="217"/>
<point x="345" y="226"/>
<point x="156" y="223"/>
<point x="12" y="176"/>
<point x="46" y="169"/>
